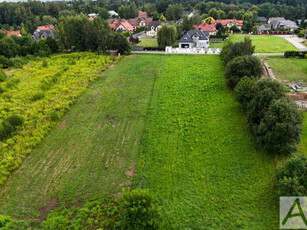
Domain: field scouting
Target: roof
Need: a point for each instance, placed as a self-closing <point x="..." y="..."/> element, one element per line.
<point x="113" y="26"/>
<point x="262" y="19"/>
<point x="46" y="27"/>
<point x="225" y="22"/>
<point x="113" y="13"/>
<point x="283" y="24"/>
<point x="188" y="36"/>
<point x="263" y="28"/>
<point x="187" y="12"/>
<point x="276" y="19"/>
<point x="205" y="27"/>
<point x="154" y="24"/>
<point x="127" y="25"/>
<point x="142" y="14"/>
<point x="136" y="21"/>
<point x="10" y="33"/>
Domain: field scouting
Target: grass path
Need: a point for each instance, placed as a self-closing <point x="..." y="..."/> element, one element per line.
<point x="87" y="155"/>
<point x="266" y="43"/>
<point x="198" y="155"/>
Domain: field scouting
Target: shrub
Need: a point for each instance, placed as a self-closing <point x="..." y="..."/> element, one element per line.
<point x="5" y="62"/>
<point x="239" y="67"/>
<point x="2" y="75"/>
<point x="9" y="126"/>
<point x="241" y="48"/>
<point x="45" y="63"/>
<point x="244" y="91"/>
<point x="4" y="220"/>
<point x="54" y="116"/>
<point x="1" y="90"/>
<point x="265" y="91"/>
<point x="292" y="177"/>
<point x="279" y="130"/>
<point x="139" y="210"/>
<point x="224" y="55"/>
<point x="37" y="96"/>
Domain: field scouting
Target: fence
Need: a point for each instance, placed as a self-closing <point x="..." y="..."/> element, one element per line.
<point x="170" y="49"/>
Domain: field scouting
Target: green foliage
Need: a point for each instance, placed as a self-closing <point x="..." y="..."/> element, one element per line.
<point x="9" y="126"/>
<point x="244" y="91"/>
<point x="128" y="11"/>
<point x="174" y="12"/>
<point x="5" y="62"/>
<point x="4" y="220"/>
<point x="280" y="129"/>
<point x="2" y="75"/>
<point x="49" y="90"/>
<point x="45" y="63"/>
<point x="241" y="48"/>
<point x="224" y="55"/>
<point x="241" y="66"/>
<point x="292" y="177"/>
<point x="167" y="35"/>
<point x="139" y="210"/>
<point x="121" y="44"/>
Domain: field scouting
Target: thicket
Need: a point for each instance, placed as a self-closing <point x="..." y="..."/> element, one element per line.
<point x="9" y="126"/>
<point x="292" y="177"/>
<point x="294" y="54"/>
<point x="275" y="121"/>
<point x="135" y="209"/>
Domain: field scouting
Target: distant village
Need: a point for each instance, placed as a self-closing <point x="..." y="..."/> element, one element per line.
<point x="144" y="26"/>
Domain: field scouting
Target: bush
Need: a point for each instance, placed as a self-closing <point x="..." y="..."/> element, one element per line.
<point x="239" y="67"/>
<point x="2" y="75"/>
<point x="45" y="63"/>
<point x="279" y="130"/>
<point x="1" y="90"/>
<point x="241" y="48"/>
<point x="139" y="210"/>
<point x="292" y="177"/>
<point x="121" y="44"/>
<point x="4" y="220"/>
<point x="9" y="126"/>
<point x="5" y="62"/>
<point x="37" y="96"/>
<point x="265" y="91"/>
<point x="224" y="55"/>
<point x="244" y="91"/>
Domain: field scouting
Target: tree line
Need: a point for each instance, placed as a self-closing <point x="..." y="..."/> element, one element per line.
<point x="26" y="16"/>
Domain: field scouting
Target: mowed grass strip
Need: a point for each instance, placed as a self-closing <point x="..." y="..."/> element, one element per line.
<point x="91" y="154"/>
<point x="288" y="68"/>
<point x="198" y="155"/>
<point x="266" y="43"/>
<point x="148" y="42"/>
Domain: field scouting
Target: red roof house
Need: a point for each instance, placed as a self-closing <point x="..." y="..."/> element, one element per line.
<point x="10" y="33"/>
<point x="230" y="22"/>
<point x="206" y="27"/>
<point x="113" y="26"/>
<point x="142" y="14"/>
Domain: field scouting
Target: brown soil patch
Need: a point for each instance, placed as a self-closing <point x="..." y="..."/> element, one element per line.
<point x="117" y="195"/>
<point x="51" y="204"/>
<point x="127" y="183"/>
<point x="130" y="171"/>
<point x="61" y="125"/>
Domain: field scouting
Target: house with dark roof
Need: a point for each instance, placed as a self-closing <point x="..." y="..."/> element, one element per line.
<point x="263" y="29"/>
<point x="282" y="24"/>
<point x="43" y="32"/>
<point x="194" y="39"/>
<point x="262" y="19"/>
<point x="139" y="22"/>
<point x="153" y="28"/>
<point x="189" y="14"/>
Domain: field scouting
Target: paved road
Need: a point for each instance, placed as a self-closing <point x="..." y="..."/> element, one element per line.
<point x="296" y="41"/>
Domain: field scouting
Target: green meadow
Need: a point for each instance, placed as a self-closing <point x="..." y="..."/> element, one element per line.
<point x="163" y="122"/>
<point x="266" y="43"/>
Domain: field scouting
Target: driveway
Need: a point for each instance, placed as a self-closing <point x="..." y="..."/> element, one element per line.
<point x="296" y="41"/>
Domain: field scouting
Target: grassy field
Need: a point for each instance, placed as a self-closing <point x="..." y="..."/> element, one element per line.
<point x="41" y="92"/>
<point x="198" y="155"/>
<point x="266" y="43"/>
<point x="92" y="152"/>
<point x="148" y="42"/>
<point x="172" y="121"/>
<point x="289" y="69"/>
<point x="303" y="145"/>
<point x="216" y="45"/>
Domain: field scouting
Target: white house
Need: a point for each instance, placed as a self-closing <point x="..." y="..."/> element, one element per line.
<point x="112" y="13"/>
<point x="153" y="28"/>
<point x="194" y="39"/>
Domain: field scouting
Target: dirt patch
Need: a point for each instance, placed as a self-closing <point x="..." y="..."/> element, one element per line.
<point x="51" y="204"/>
<point x="131" y="171"/>
<point x="61" y="125"/>
<point x="127" y="183"/>
<point x="117" y="195"/>
<point x="102" y="124"/>
<point x="296" y="97"/>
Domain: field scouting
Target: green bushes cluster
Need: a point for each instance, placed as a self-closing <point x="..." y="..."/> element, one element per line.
<point x="294" y="54"/>
<point x="275" y="121"/>
<point x="2" y="75"/>
<point x="292" y="177"/>
<point x="139" y="210"/>
<point x="9" y="126"/>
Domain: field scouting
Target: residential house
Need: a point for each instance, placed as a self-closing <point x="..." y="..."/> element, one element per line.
<point x="194" y="39"/>
<point x="206" y="27"/>
<point x="262" y="19"/>
<point x="10" y="33"/>
<point x="113" y="14"/>
<point x="282" y="24"/>
<point x="263" y="29"/>
<point x="230" y="22"/>
<point x="43" y="32"/>
<point x="139" y="22"/>
<point x="153" y="28"/>
<point x="276" y="19"/>
<point x="92" y="16"/>
<point x="189" y="14"/>
<point x="142" y="14"/>
<point x="120" y="25"/>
